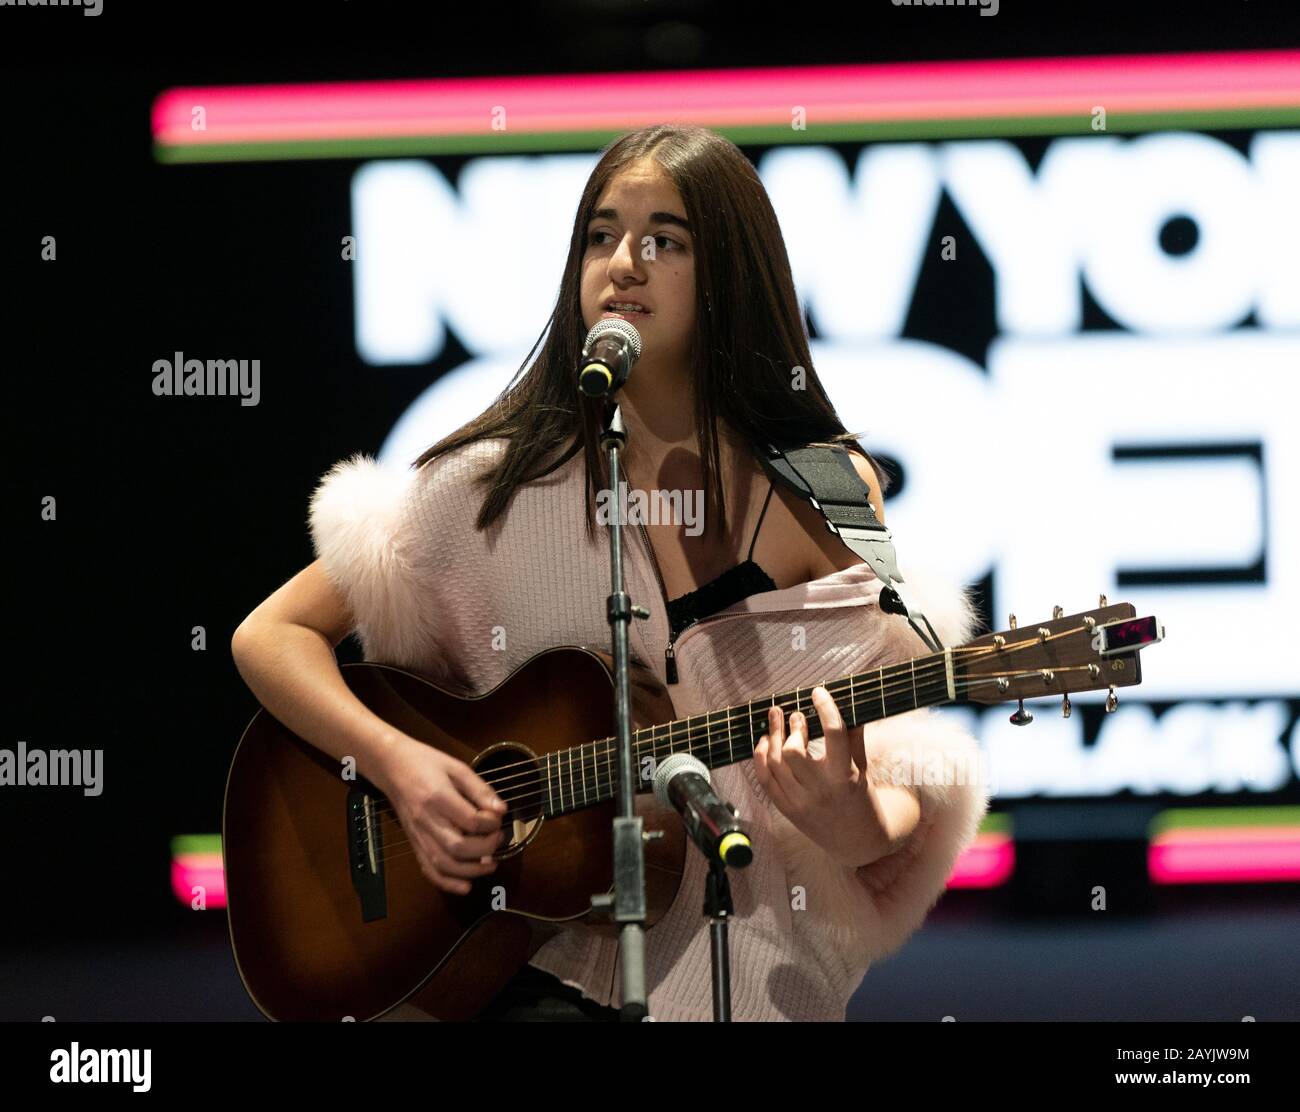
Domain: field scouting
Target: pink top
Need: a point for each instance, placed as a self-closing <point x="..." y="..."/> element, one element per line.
<point x="467" y="608"/>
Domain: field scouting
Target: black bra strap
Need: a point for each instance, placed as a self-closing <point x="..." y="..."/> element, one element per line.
<point x="771" y="486"/>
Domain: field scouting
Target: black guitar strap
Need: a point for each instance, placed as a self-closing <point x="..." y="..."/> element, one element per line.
<point x="826" y="478"/>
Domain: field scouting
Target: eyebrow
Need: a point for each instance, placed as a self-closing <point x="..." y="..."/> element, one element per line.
<point x="655" y="217"/>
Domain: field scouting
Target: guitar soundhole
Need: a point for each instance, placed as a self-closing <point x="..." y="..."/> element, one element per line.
<point x="515" y="774"/>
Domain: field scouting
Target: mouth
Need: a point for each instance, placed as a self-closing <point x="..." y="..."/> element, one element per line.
<point x="626" y="310"/>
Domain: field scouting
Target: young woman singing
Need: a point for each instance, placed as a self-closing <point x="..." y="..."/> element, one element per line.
<point x="487" y="550"/>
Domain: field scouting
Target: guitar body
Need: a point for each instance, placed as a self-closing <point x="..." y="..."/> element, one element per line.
<point x="330" y="915"/>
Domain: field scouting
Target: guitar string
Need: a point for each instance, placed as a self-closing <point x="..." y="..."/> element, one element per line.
<point x="692" y="733"/>
<point x="901" y="680"/>
<point x="604" y="760"/>
<point x="398" y="842"/>
<point x="529" y="769"/>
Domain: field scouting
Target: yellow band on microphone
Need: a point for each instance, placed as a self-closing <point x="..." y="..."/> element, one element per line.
<point x="731" y="841"/>
<point x="598" y="367"/>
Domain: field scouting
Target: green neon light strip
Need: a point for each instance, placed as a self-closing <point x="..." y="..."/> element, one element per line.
<point x="195" y="843"/>
<point x="1200" y="818"/>
<point x="513" y="143"/>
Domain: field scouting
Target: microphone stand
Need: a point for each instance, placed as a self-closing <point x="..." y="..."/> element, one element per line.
<point x="722" y="842"/>
<point x="628" y="901"/>
<point x="719" y="909"/>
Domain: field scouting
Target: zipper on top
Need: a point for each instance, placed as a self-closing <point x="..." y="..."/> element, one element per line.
<point x="670" y="658"/>
<point x="670" y="661"/>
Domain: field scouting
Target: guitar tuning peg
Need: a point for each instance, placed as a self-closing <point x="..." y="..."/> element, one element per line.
<point x="1011" y="622"/>
<point x="1112" y="700"/>
<point x="1101" y="600"/>
<point x="1058" y="612"/>
<point x="1065" y="707"/>
<point x="1022" y="717"/>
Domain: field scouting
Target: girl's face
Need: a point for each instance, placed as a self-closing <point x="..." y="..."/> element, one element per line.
<point x="639" y="250"/>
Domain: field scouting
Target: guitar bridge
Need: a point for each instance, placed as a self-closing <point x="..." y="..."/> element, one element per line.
<point x="366" y="853"/>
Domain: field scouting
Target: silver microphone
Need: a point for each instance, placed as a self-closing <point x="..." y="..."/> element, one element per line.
<point x="682" y="781"/>
<point x="611" y="348"/>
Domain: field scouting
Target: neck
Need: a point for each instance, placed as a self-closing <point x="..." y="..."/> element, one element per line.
<point x="658" y="412"/>
<point x="660" y="425"/>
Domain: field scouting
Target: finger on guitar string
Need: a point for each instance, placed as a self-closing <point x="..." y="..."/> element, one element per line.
<point x="448" y="813"/>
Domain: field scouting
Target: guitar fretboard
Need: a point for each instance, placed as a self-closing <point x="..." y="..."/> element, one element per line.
<point x="585" y="775"/>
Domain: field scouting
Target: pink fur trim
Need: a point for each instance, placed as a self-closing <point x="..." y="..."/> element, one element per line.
<point x="360" y="526"/>
<point x="947" y="604"/>
<point x="869" y="912"/>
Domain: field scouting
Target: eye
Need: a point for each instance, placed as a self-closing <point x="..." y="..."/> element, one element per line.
<point x="593" y="240"/>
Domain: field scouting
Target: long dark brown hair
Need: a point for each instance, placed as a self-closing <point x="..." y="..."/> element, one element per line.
<point x="749" y="338"/>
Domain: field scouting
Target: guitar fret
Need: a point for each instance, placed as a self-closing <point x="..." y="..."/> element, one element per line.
<point x="705" y="730"/>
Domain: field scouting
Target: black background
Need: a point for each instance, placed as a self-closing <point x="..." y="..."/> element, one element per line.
<point x="176" y="512"/>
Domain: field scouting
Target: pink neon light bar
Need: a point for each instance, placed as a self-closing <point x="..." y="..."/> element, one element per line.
<point x="1230" y="855"/>
<point x="199" y="869"/>
<point x="581" y="102"/>
<point x="986" y="863"/>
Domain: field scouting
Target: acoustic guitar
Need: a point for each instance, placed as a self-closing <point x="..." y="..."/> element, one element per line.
<point x="330" y="916"/>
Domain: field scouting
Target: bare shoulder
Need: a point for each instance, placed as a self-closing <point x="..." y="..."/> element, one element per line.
<point x="828" y="554"/>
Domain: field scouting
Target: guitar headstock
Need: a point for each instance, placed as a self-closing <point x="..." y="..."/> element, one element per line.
<point x="1096" y="650"/>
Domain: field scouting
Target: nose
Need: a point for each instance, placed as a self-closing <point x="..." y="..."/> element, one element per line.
<point x="625" y="260"/>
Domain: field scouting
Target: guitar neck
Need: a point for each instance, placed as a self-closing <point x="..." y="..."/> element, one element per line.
<point x="586" y="775"/>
